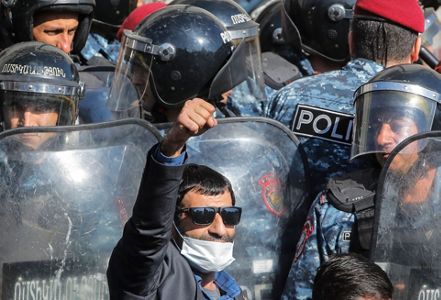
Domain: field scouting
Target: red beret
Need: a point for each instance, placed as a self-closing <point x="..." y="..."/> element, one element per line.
<point x="137" y="15"/>
<point x="406" y="13"/>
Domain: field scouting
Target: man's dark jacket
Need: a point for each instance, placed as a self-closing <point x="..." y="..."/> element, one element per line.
<point x="146" y="264"/>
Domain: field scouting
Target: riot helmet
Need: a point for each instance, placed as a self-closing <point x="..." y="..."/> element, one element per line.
<point x="177" y="53"/>
<point x="244" y="33"/>
<point x="269" y="18"/>
<point x="20" y="14"/>
<point x="398" y="102"/>
<point x="228" y="12"/>
<point x="39" y="86"/>
<point x="319" y="27"/>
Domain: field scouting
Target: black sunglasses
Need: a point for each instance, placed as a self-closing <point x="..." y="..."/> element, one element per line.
<point x="205" y="215"/>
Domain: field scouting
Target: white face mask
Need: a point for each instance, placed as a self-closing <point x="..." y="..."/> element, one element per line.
<point x="206" y="256"/>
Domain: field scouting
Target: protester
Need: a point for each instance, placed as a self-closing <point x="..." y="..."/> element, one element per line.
<point x="180" y="237"/>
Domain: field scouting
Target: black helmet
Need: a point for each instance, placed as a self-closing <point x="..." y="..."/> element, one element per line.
<point x="318" y="26"/>
<point x="41" y="76"/>
<point x="21" y="17"/>
<point x="227" y="11"/>
<point x="244" y="33"/>
<point x="177" y="53"/>
<point x="232" y="15"/>
<point x="408" y="93"/>
<point x="113" y="12"/>
<point x="269" y="18"/>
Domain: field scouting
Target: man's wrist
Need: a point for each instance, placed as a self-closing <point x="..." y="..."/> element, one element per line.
<point x="165" y="159"/>
<point x="170" y="151"/>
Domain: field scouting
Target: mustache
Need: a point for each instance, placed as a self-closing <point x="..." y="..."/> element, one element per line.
<point x="215" y="238"/>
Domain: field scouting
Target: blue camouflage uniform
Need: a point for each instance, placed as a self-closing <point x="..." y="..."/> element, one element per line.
<point x="242" y="101"/>
<point x="97" y="45"/>
<point x="327" y="231"/>
<point x="319" y="110"/>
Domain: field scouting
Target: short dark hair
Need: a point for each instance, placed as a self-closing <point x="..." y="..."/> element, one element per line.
<point x="203" y="180"/>
<point x="381" y="41"/>
<point x="350" y="276"/>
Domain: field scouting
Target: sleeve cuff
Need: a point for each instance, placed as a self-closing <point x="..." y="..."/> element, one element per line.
<point x="169" y="161"/>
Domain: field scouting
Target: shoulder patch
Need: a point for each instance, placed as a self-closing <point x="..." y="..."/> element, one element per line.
<point x="324" y="124"/>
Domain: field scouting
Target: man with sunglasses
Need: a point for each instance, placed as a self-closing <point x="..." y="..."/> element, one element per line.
<point x="180" y="236"/>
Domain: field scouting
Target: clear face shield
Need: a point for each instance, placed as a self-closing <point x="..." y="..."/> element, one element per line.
<point x="23" y="109"/>
<point x="244" y="68"/>
<point x="28" y="103"/>
<point x="130" y="85"/>
<point x="431" y="37"/>
<point x="389" y="112"/>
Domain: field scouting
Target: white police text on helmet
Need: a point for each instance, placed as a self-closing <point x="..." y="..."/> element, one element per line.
<point x="226" y="37"/>
<point x="33" y="70"/>
<point x="240" y="18"/>
<point x="323" y="124"/>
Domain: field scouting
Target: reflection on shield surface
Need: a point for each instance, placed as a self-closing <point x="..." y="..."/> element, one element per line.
<point x="64" y="205"/>
<point x="266" y="167"/>
<point x="407" y="235"/>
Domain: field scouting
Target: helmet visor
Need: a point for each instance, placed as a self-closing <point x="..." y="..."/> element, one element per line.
<point x="432" y="33"/>
<point x="385" y="118"/>
<point x="21" y="109"/>
<point x="130" y="84"/>
<point x="243" y="67"/>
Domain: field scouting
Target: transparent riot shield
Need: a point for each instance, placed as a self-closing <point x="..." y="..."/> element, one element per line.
<point x="267" y="169"/>
<point x="64" y="205"/>
<point x="407" y="235"/>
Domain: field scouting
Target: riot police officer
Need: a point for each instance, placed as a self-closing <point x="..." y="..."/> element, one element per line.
<point x="39" y="86"/>
<point x="397" y="103"/>
<point x="170" y="58"/>
<point x="319" y="108"/>
<point x="64" y="24"/>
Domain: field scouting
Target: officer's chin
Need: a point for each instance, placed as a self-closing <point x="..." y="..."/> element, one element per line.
<point x="33" y="141"/>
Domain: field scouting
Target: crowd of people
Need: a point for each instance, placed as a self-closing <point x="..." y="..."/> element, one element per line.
<point x="344" y="78"/>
